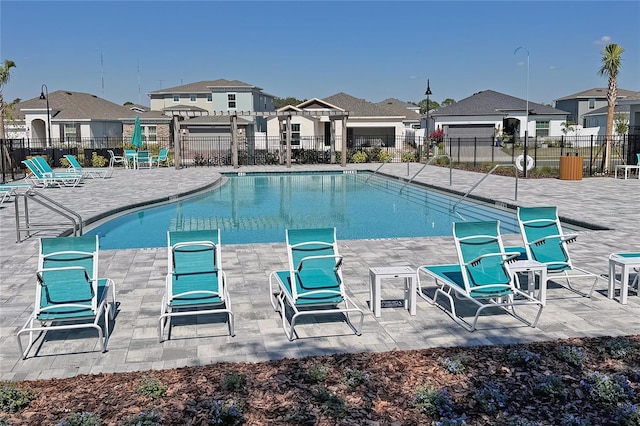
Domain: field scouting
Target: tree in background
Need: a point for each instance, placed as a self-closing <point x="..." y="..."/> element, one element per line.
<point x="282" y="102"/>
<point x="5" y="75"/>
<point x="611" y="63"/>
<point x="621" y="123"/>
<point x="423" y="105"/>
<point x="448" y="101"/>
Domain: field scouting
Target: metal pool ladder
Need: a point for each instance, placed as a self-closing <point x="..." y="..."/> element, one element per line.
<point x="483" y="178"/>
<point x="43" y="200"/>
<point x="425" y="165"/>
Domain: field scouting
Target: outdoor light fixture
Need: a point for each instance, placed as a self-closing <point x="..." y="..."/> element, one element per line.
<point x="44" y="89"/>
<point x="526" y="127"/>
<point x="428" y="93"/>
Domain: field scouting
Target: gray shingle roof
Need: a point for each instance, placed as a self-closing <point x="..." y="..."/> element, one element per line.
<point x="599" y="92"/>
<point x="77" y="106"/>
<point x="489" y="102"/>
<point x="400" y="108"/>
<point x="358" y="107"/>
<point x="205" y="87"/>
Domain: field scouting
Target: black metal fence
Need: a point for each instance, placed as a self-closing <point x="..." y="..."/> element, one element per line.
<point x="216" y="151"/>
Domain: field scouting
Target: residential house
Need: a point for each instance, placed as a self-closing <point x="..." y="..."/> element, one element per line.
<point x="204" y="107"/>
<point x="587" y="101"/>
<point x="75" y="117"/>
<point x="367" y="123"/>
<point x="398" y="108"/>
<point x="490" y="114"/>
<point x="598" y="117"/>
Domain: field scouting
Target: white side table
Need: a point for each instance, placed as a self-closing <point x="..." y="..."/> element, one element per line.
<point x="531" y="267"/>
<point x="625" y="261"/>
<point x="376" y="275"/>
<point x="626" y="168"/>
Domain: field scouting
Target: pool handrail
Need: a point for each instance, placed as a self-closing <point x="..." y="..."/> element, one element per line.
<point x="425" y="165"/>
<point x="54" y="206"/>
<point x="486" y="176"/>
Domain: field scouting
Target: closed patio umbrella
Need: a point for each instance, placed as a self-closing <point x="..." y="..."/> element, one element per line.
<point x="136" y="137"/>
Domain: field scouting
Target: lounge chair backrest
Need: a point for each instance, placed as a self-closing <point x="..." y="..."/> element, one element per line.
<point x="67" y="274"/>
<point x="195" y="253"/>
<point x="42" y="164"/>
<point x="73" y="162"/>
<point x="314" y="262"/>
<point x="482" y="257"/>
<point x="35" y="170"/>
<point x="543" y="236"/>
<point x="162" y="155"/>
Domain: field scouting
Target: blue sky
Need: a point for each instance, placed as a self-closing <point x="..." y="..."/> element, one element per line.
<point x="373" y="50"/>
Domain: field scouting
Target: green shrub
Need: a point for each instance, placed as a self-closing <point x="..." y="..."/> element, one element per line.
<point x="434" y="402"/>
<point x="225" y="413"/>
<point x="359" y="157"/>
<point x="385" y="157"/>
<point x="234" y="381"/>
<point x="491" y="398"/>
<point x="146" y="418"/>
<point x="318" y="373"/>
<point x="354" y="378"/>
<point x="572" y="355"/>
<point x="408" y="157"/>
<point x="453" y="366"/>
<point x="523" y="357"/>
<point x="621" y="348"/>
<point x="628" y="415"/>
<point x="4" y="421"/>
<point x="13" y="399"/>
<point x="552" y="387"/>
<point x="152" y="388"/>
<point x="607" y="389"/>
<point x="331" y="404"/>
<point x="98" y="160"/>
<point x="81" y="419"/>
<point x="65" y="163"/>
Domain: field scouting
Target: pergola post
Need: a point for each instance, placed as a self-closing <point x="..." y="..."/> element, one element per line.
<point x="343" y="157"/>
<point x="177" y="144"/>
<point x="288" y="141"/>
<point x="234" y="140"/>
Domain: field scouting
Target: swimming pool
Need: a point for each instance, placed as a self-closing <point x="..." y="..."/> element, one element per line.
<point x="258" y="207"/>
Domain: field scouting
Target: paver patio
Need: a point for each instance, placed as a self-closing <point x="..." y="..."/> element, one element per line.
<point x="139" y="277"/>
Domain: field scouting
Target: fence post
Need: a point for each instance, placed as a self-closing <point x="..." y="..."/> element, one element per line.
<point x="591" y="156"/>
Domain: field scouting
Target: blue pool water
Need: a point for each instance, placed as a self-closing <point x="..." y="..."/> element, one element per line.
<point x="257" y="208"/>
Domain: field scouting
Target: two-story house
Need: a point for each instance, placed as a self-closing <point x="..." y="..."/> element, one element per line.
<point x="587" y="101"/>
<point x="203" y="107"/>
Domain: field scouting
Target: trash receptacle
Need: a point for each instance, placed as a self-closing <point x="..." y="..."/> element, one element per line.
<point x="571" y="167"/>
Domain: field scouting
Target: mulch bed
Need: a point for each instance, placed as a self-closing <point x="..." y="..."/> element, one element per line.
<point x="505" y="385"/>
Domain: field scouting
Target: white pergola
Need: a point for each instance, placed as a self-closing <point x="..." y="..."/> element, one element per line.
<point x="282" y="116"/>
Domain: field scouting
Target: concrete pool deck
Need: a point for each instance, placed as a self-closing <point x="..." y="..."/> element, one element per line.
<point x="139" y="279"/>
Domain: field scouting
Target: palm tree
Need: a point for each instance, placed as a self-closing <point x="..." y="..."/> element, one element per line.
<point x="4" y="79"/>
<point x="611" y="63"/>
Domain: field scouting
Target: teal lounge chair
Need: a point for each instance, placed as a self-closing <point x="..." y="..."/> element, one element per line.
<point x="195" y="282"/>
<point x="42" y="179"/>
<point x="481" y="275"/>
<point x="546" y="243"/>
<point x="69" y="294"/>
<point x="313" y="284"/>
<point x="9" y="189"/>
<point x="91" y="173"/>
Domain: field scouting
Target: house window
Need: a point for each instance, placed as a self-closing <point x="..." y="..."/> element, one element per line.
<point x="209" y="97"/>
<point x="149" y="134"/>
<point x="192" y="98"/>
<point x="592" y="103"/>
<point x="542" y="128"/>
<point x="295" y="133"/>
<point x="231" y="100"/>
<point x="70" y="132"/>
<point x="176" y="98"/>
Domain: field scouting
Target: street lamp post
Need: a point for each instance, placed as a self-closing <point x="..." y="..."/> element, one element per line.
<point x="44" y="89"/>
<point x="428" y="93"/>
<point x="526" y="127"/>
